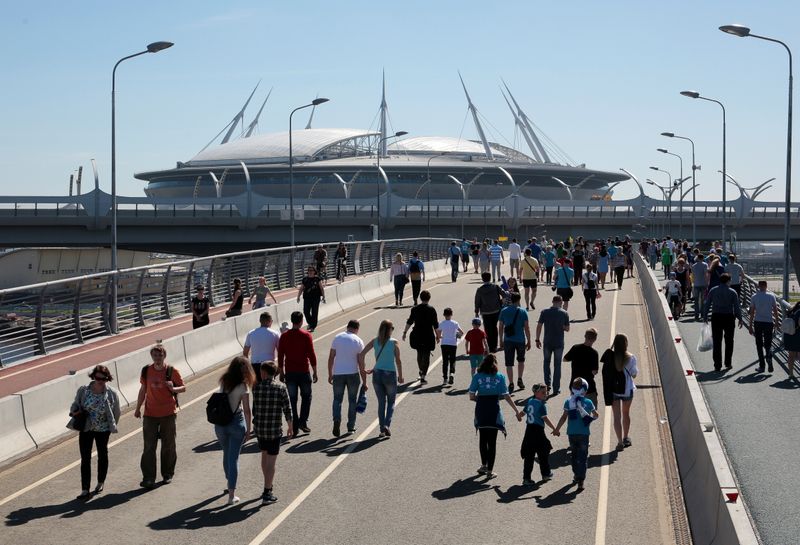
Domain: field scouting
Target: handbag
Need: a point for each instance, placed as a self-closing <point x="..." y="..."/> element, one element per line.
<point x="78" y="421"/>
<point x="510" y="329"/>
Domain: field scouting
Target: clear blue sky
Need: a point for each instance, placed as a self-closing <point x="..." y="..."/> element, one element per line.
<point x="600" y="78"/>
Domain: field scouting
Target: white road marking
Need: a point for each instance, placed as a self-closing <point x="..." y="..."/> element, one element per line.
<point x="283" y="515"/>
<point x="602" y="499"/>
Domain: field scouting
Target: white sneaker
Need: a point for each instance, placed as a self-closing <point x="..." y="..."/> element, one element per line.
<point x="233" y="501"/>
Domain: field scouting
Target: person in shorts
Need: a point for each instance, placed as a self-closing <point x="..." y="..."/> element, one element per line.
<point x="515" y="338"/>
<point x="514" y="255"/>
<point x="529" y="271"/>
<point x="270" y="402"/>
<point x="465" y="250"/>
<point x="477" y="347"/>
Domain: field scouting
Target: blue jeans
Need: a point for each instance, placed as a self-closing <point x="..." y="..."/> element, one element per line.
<point x="385" y="385"/>
<point x="453" y="268"/>
<point x="556" y="353"/>
<point x="699" y="294"/>
<point x="299" y="381"/>
<point x="352" y="382"/>
<point x="579" y="446"/>
<point x="496" y="271"/>
<point x="231" y="438"/>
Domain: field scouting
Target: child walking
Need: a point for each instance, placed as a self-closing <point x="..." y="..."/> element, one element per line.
<point x="450" y="332"/>
<point x="476" y="344"/>
<point x="581" y="413"/>
<point x="535" y="443"/>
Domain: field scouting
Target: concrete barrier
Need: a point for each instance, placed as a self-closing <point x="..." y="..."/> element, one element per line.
<point x="210" y="345"/>
<point x="46" y="406"/>
<point x="16" y="439"/>
<point x="129" y="367"/>
<point x="372" y="287"/>
<point x="348" y="295"/>
<point x="704" y="469"/>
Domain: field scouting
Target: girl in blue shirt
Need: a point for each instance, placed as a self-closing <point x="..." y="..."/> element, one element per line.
<point x="488" y="386"/>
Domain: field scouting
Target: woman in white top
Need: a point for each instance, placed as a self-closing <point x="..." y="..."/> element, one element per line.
<point x="236" y="382"/>
<point x="619" y="370"/>
<point x="399" y="275"/>
<point x="589" y="284"/>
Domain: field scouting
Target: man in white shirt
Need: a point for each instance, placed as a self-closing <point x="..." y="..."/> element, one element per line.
<point x="764" y="318"/>
<point x="344" y="371"/>
<point x="261" y="344"/>
<point x="737" y="272"/>
<point x="514" y="255"/>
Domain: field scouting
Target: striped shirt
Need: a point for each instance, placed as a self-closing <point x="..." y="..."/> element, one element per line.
<point x="496" y="252"/>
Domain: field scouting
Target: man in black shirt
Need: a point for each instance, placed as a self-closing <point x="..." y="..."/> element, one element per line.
<point x="200" y="308"/>
<point x="585" y="362"/>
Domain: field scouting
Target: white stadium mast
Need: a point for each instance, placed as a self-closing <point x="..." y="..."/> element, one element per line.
<point x="238" y="117"/>
<point x="474" y="111"/>
<point x="254" y="123"/>
<point x="521" y="126"/>
<point x="528" y="126"/>
<point x="384" y="108"/>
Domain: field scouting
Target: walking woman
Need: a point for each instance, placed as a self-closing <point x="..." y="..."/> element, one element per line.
<point x="398" y="275"/>
<point x="341" y="262"/>
<point x="549" y="263"/>
<point x="589" y="285"/>
<point x="483" y="257"/>
<point x="386" y="374"/>
<point x="237" y="300"/>
<point x="618" y="263"/>
<point x="619" y="370"/>
<point x="95" y="414"/>
<point x="792" y="342"/>
<point x="236" y="382"/>
<point x="578" y="260"/>
<point x="425" y="334"/>
<point x="313" y="292"/>
<point x="488" y="386"/>
<point x="602" y="265"/>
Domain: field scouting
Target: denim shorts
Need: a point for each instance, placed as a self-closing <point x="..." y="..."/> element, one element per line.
<point x="618" y="397"/>
<point x="475" y="360"/>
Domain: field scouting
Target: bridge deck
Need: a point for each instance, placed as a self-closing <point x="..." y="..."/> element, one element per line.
<point x="419" y="486"/>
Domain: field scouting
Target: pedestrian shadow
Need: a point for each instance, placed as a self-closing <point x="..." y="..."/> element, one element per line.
<point x="249" y="447"/>
<point x="457" y="392"/>
<point x="789" y="383"/>
<point x="515" y="493"/>
<point x="562" y="496"/>
<point x="437" y="388"/>
<point x="197" y="516"/>
<point x="317" y="445"/>
<point x="711" y="376"/>
<point x="606" y="459"/>
<point x="463" y="488"/>
<point x="752" y="378"/>
<point x="339" y="449"/>
<point x="72" y="508"/>
<point x="559" y="458"/>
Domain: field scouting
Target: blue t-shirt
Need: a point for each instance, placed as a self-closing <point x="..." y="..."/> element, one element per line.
<point x="535" y="411"/>
<point x="575" y="422"/>
<point x="612" y="251"/>
<point x="536" y="250"/>
<point x="386" y="360"/>
<point x="564" y="277"/>
<point x="465" y="247"/>
<point x="549" y="258"/>
<point x="454" y="251"/>
<point x="488" y="385"/>
<point x="507" y="317"/>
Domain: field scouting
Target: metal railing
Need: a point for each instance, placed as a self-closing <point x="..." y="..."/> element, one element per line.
<point x="39" y="319"/>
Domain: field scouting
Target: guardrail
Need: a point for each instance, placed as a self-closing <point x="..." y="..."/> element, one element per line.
<point x="42" y="318"/>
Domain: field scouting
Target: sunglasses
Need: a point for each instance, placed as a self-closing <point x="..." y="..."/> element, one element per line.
<point x="101" y="378"/>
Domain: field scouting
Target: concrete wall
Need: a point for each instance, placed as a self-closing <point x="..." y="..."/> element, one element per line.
<point x="704" y="469"/>
<point x="38" y="416"/>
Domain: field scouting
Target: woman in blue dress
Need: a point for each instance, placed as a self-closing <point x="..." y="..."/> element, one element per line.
<point x="488" y="386"/>
<point x="602" y="266"/>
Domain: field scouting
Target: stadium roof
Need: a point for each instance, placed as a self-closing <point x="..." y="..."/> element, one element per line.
<point x="440" y="144"/>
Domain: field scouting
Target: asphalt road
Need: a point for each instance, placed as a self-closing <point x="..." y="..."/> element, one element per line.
<point x="755" y="414"/>
<point x="420" y="486"/>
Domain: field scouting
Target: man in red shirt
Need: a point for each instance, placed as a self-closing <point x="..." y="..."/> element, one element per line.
<point x="160" y="384"/>
<point x="295" y="357"/>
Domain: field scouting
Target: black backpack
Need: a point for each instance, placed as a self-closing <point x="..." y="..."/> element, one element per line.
<point x="413" y="266"/>
<point x="218" y="409"/>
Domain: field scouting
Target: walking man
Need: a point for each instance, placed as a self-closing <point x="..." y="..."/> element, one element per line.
<point x="297" y="365"/>
<point x="160" y="386"/>
<point x="699" y="284"/>
<point x="496" y="257"/>
<point x="554" y="321"/>
<point x="416" y="273"/>
<point x="514" y="255"/>
<point x="764" y="318"/>
<point x="465" y="248"/>
<point x="725" y="304"/>
<point x="345" y="371"/>
<point x="585" y="363"/>
<point x="454" y="256"/>
<point x="270" y="402"/>
<point x="261" y="343"/>
<point x="515" y="339"/>
<point x="488" y="302"/>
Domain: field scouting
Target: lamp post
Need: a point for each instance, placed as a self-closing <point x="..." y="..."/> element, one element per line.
<point x="669" y="203"/>
<point x="695" y="94"/>
<point x="680" y="211"/>
<point x="315" y="102"/>
<point x="416" y="196"/>
<point x="378" y="180"/>
<point x="694" y="184"/>
<point x="154" y="47"/>
<point x="663" y="196"/>
<point x="742" y="32"/>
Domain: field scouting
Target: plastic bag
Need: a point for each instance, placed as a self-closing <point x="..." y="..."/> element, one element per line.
<point x="705" y="343"/>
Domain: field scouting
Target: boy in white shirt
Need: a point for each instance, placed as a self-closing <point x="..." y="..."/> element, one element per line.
<point x="674" y="293"/>
<point x="450" y="332"/>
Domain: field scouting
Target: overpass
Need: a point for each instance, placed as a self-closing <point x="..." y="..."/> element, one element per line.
<point x="204" y="226"/>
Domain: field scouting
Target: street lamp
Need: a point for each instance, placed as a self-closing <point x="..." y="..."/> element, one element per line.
<point x="378" y="179"/>
<point x="669" y="203"/>
<point x="315" y="102"/>
<point x="154" y="47"/>
<point x="694" y="184"/>
<point x="663" y="190"/>
<point x="695" y="94"/>
<point x="428" y="184"/>
<point x="464" y="194"/>
<point x="742" y="32"/>
<point x="680" y="212"/>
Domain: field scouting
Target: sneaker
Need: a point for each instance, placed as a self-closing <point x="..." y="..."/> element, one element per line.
<point x="770" y="368"/>
<point x="268" y="497"/>
<point x="482" y="470"/>
<point x="351" y="430"/>
<point x="490" y="474"/>
<point x="520" y="384"/>
<point x="147" y="484"/>
<point x="760" y="369"/>
<point x="305" y="429"/>
<point x="337" y="428"/>
<point x="233" y="501"/>
<point x="450" y="380"/>
<point x="98" y="488"/>
<point x="422" y="380"/>
<point x="84" y="495"/>
<point x="382" y="433"/>
<point x="510" y="387"/>
<point x="547" y="477"/>
<point x="580" y="485"/>
<point x="528" y="482"/>
<point x="620" y="447"/>
<point x="444" y="381"/>
<point x="167" y="479"/>
<point x="387" y="431"/>
<point x="627" y="442"/>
